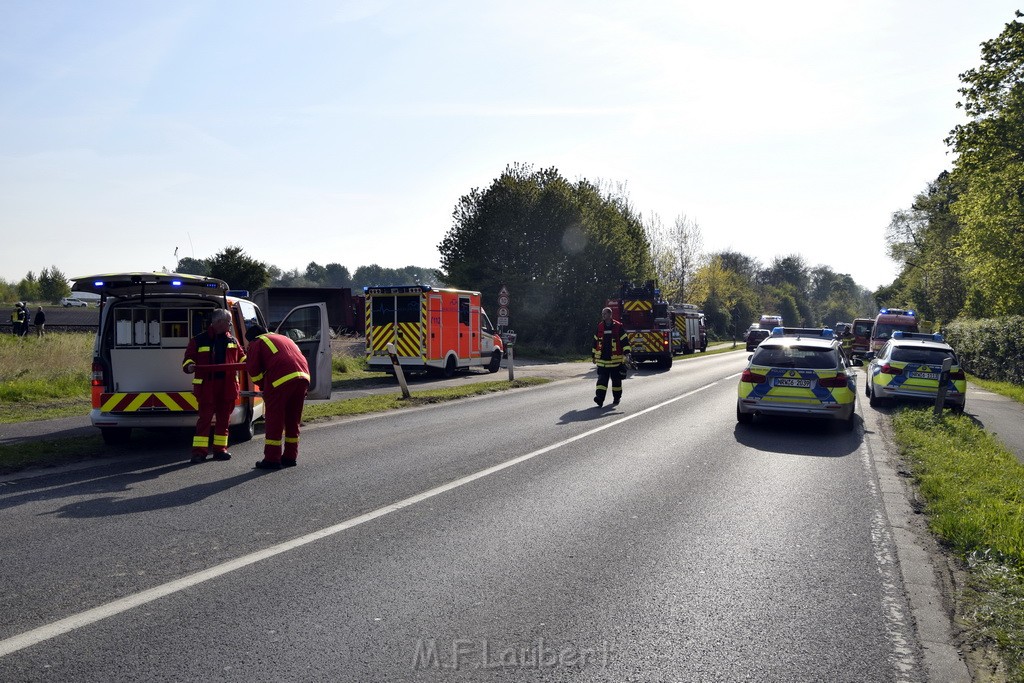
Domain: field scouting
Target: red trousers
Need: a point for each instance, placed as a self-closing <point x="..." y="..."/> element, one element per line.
<point x="215" y="402"/>
<point x="283" y="416"/>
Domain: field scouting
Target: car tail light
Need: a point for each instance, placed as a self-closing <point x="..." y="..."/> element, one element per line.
<point x="959" y="374"/>
<point x="840" y="380"/>
<point x="97" y="375"/>
<point x="752" y="377"/>
<point x="890" y="370"/>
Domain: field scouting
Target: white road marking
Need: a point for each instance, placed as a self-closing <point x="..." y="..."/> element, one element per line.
<point x="91" y="616"/>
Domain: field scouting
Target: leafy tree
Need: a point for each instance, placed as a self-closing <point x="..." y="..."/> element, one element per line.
<point x="675" y="253"/>
<point x="316" y="274"/>
<point x="28" y="287"/>
<point x="925" y="240"/>
<point x="193" y="266"/>
<point x="53" y="285"/>
<point x="989" y="170"/>
<point x="561" y="248"/>
<point x="239" y="270"/>
<point x="336" y="276"/>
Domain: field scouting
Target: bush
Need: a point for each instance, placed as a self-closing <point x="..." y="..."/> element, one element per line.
<point x="991" y="348"/>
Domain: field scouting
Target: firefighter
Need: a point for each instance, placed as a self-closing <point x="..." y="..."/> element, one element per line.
<point x="278" y="366"/>
<point x="611" y="350"/>
<point x="215" y="390"/>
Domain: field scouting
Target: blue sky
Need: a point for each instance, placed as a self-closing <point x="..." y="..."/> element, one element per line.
<point x="346" y="132"/>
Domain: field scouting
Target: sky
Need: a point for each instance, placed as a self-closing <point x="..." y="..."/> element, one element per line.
<point x="345" y="132"/>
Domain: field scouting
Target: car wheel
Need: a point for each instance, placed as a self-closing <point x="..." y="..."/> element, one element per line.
<point x="449" y="367"/>
<point x="873" y="400"/>
<point x="867" y="385"/>
<point x="849" y="422"/>
<point x="495" y="363"/>
<point x="243" y="432"/>
<point x="744" y="418"/>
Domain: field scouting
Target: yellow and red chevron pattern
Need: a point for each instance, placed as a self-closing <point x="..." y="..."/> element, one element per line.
<point x="638" y="305"/>
<point x="406" y="341"/>
<point x="130" y="402"/>
<point x="646" y="342"/>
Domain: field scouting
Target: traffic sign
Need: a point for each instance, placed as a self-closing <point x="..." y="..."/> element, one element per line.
<point x="502" y="312"/>
<point x="503" y="300"/>
<point x="503" y="291"/>
<point x="502" y="322"/>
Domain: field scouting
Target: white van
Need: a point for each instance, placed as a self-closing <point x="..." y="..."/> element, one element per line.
<point x="146" y="321"/>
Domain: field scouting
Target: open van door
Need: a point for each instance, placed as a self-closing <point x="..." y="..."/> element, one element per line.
<point x="307" y="326"/>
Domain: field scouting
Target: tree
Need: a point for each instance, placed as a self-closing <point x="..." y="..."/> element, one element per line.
<point x="675" y="253"/>
<point x="315" y="274"/>
<point x="53" y="285"/>
<point x="989" y="170"/>
<point x="925" y="240"/>
<point x="561" y="248"/>
<point x="192" y="266"/>
<point x="28" y="287"/>
<point x="239" y="270"/>
<point x="336" y="276"/>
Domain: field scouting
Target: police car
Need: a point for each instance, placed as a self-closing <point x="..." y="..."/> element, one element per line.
<point x="801" y="372"/>
<point x="909" y="366"/>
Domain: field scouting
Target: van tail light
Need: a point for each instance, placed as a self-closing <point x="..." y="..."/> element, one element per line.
<point x="890" y="370"/>
<point x="958" y="375"/>
<point x="97" y="375"/>
<point x="752" y="377"/>
<point x="840" y="380"/>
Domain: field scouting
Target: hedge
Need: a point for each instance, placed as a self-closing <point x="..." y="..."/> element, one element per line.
<point x="991" y="348"/>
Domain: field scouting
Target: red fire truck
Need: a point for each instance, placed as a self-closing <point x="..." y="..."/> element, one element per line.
<point x="690" y="334"/>
<point x="441" y="330"/>
<point x="645" y="317"/>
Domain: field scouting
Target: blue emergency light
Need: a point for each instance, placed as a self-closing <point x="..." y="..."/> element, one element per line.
<point x="824" y="332"/>
<point x="98" y="283"/>
<point x="935" y="336"/>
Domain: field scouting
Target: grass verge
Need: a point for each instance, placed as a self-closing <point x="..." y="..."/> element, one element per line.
<point x="1014" y="391"/>
<point x="973" y="489"/>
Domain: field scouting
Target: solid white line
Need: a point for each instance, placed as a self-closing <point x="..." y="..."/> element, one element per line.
<point x="91" y="616"/>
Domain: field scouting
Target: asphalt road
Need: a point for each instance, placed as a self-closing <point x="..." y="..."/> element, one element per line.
<point x="520" y="536"/>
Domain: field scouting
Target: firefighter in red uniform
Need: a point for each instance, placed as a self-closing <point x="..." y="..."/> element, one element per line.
<point x="611" y="347"/>
<point x="215" y="390"/>
<point x="280" y="369"/>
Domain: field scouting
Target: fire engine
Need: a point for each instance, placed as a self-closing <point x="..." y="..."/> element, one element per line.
<point x="690" y="334"/>
<point x="145" y="322"/>
<point x="890" y="320"/>
<point x="645" y="318"/>
<point x="440" y="330"/>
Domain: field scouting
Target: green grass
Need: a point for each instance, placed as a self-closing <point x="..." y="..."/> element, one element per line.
<point x="973" y="490"/>
<point x="1014" y="391"/>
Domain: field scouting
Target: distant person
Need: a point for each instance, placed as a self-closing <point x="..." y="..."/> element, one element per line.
<point x="22" y="319"/>
<point x="611" y="348"/>
<point x="215" y="390"/>
<point x="15" y="318"/>
<point x="40" y="322"/>
<point x="275" y="363"/>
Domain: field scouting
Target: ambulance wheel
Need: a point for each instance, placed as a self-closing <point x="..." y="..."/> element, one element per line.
<point x="449" y="367"/>
<point x="113" y="436"/>
<point x="495" y="363"/>
<point x="243" y="432"/>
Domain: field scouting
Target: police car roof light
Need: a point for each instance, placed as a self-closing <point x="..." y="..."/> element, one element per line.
<point x="925" y="336"/>
<point x="238" y="293"/>
<point x="175" y="283"/>
<point x="823" y="332"/>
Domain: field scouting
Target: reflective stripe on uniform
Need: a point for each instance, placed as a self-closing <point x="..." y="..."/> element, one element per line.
<point x="272" y="442"/>
<point x="270" y="344"/>
<point x="281" y="380"/>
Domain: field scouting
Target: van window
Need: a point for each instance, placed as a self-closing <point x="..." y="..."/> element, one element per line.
<point x="862" y="329"/>
<point x="885" y="330"/>
<point x="463" y="310"/>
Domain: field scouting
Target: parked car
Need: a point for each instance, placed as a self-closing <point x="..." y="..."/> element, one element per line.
<point x="755" y="337"/>
<point x="799" y="372"/>
<point x="71" y="301"/>
<point x="909" y="366"/>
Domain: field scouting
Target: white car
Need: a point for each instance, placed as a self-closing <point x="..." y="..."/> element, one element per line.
<point x="68" y="301"/>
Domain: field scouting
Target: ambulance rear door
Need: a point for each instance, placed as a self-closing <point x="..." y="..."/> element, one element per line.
<point x="308" y="327"/>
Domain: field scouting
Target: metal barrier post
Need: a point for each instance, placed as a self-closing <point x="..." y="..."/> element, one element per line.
<point x="511" y="365"/>
<point x="940" y="395"/>
<point x="398" y="370"/>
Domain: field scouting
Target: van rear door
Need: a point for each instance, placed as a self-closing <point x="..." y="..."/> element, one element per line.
<point x="308" y="327"/>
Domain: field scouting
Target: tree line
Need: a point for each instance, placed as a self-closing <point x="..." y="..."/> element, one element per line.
<point x="960" y="244"/>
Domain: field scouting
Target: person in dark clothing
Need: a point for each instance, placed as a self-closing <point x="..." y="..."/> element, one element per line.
<point x="22" y="319"/>
<point x="40" y="322"/>
<point x="215" y="390"/>
<point x="611" y="348"/>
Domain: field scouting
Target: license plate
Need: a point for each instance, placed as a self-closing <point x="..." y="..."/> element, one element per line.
<point x="924" y="375"/>
<point x="788" y="382"/>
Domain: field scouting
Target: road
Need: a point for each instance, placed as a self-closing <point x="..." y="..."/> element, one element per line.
<point x="526" y="535"/>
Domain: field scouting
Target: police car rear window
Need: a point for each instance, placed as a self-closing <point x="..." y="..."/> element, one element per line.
<point x="903" y="354"/>
<point x="810" y="357"/>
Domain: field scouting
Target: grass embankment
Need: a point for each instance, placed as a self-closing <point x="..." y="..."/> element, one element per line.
<point x="1014" y="391"/>
<point x="49" y="377"/>
<point x="974" y="494"/>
